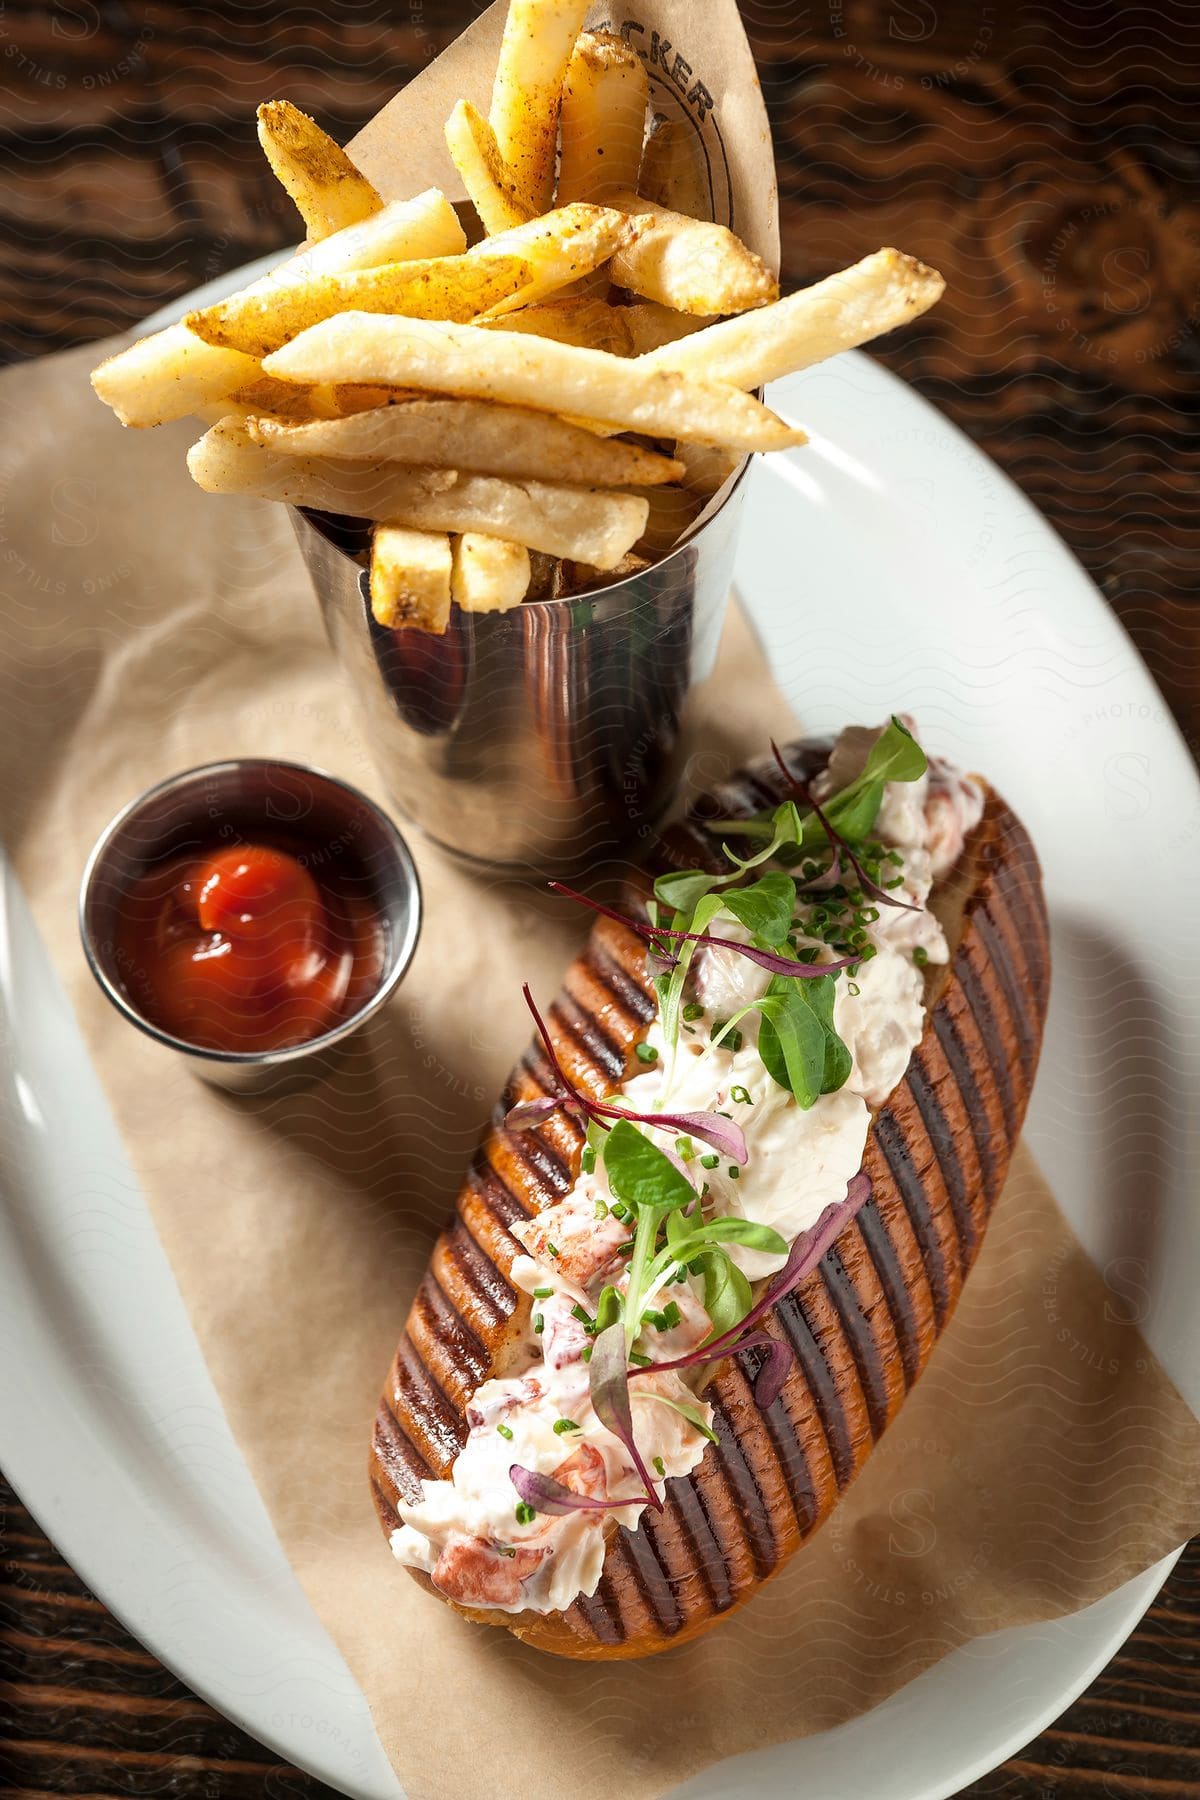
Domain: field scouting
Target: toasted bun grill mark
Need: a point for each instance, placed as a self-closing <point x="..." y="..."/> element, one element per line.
<point x="863" y="1324"/>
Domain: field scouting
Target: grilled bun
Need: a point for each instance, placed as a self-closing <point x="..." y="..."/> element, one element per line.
<point x="862" y="1325"/>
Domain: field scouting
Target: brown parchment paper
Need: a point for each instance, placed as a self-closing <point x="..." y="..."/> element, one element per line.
<point x="1043" y="1459"/>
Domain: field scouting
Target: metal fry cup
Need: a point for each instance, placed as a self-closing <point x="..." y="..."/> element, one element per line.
<point x="537" y="739"/>
<point x="238" y="800"/>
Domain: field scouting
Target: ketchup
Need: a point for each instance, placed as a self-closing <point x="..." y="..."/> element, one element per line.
<point x="242" y="948"/>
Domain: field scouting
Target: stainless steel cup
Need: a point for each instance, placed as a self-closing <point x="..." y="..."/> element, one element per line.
<point x="338" y="825"/>
<point x="539" y="738"/>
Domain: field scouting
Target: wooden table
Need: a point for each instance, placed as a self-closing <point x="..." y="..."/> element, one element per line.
<point x="1044" y="156"/>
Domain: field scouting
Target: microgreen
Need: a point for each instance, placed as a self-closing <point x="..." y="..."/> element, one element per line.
<point x="803" y="1258"/>
<point x="765" y="958"/>
<point x="710" y="1128"/>
<point x="797" y="1041"/>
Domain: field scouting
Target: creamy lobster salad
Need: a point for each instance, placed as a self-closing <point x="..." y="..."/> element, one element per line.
<point x="790" y="996"/>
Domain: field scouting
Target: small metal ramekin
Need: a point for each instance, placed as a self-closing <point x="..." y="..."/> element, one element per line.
<point x="241" y="797"/>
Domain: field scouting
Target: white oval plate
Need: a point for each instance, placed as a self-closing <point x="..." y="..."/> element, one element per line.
<point x="886" y="565"/>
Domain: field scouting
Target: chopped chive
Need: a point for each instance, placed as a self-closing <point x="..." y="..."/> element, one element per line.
<point x="920" y="956"/>
<point x="660" y="1467"/>
<point x="602" y="1209"/>
<point x="710" y="1161"/>
<point x="543" y="1293"/>
<point x="581" y="1313"/>
<point x="670" y="1316"/>
<point x="685" y="1149"/>
<point x="539" y="1323"/>
<point x="733" y="1172"/>
<point x="646" y="1053"/>
<point x="526" y="1514"/>
<point x="587" y="1161"/>
<point x="625" y="1249"/>
<point x="620" y="1211"/>
<point x="693" y="1010"/>
<point x="552" y="1248"/>
<point x="730" y="1040"/>
<point x="643" y="1362"/>
<point x="586" y="1354"/>
<point x="741" y="1095"/>
<point x="505" y="1550"/>
<point x="505" y="1431"/>
<point x="561" y="1425"/>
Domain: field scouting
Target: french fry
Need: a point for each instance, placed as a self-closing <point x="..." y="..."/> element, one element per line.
<point x="882" y="291"/>
<point x="674" y="170"/>
<point x="328" y="190"/>
<point x="410" y="578"/>
<point x="604" y="96"/>
<point x="530" y="371"/>
<point x="586" y="524"/>
<point x="592" y="324"/>
<point x="539" y="36"/>
<point x="491" y="185"/>
<point x="689" y="264"/>
<point x="474" y="435"/>
<point x="172" y="373"/>
<point x="169" y="375"/>
<point x="490" y="574"/>
<point x="649" y="326"/>
<point x="443" y="287"/>
<point x="560" y="247"/>
<point x="401" y="231"/>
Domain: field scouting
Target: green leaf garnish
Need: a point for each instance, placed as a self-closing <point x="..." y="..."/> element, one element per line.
<point x="727" y="1297"/>
<point x="640" y="1174"/>
<point x="766" y="908"/>
<point x="797" y="1041"/>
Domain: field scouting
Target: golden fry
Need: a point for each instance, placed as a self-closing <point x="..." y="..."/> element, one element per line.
<point x="173" y="373"/>
<point x="882" y="291"/>
<point x="444" y="287"/>
<point x="604" y="98"/>
<point x="410" y="578"/>
<point x="592" y="525"/>
<point x="689" y="264"/>
<point x="169" y="375"/>
<point x="491" y="185"/>
<point x="328" y="190"/>
<point x="490" y="574"/>
<point x="530" y="371"/>
<point x="560" y="248"/>
<point x="539" y="36"/>
<point x="475" y="435"/>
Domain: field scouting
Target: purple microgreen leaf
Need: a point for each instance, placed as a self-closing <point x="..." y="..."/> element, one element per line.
<point x="766" y="959"/>
<point x="527" y="1113"/>
<point x="713" y="1128"/>
<point x="548" y="1496"/>
<point x="608" y="1379"/>
<point x="803" y="1258"/>
<point x="838" y="845"/>
<point x="841" y="848"/>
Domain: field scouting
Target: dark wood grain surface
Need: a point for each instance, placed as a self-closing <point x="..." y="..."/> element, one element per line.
<point x="1045" y="156"/>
